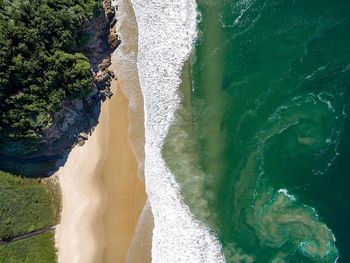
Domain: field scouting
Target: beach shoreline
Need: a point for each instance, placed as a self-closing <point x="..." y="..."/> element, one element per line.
<point x="101" y="193"/>
<point x="109" y="168"/>
<point x="125" y="65"/>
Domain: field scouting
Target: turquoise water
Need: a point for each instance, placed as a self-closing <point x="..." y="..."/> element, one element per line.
<point x="261" y="145"/>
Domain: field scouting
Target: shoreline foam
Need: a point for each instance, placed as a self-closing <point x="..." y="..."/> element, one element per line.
<point x="102" y="153"/>
<point x="125" y="65"/>
<point x="167" y="31"/>
<point x="126" y="69"/>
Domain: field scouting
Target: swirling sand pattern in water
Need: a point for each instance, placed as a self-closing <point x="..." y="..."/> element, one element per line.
<point x="265" y="128"/>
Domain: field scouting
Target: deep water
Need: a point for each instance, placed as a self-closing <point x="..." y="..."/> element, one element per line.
<point x="261" y="145"/>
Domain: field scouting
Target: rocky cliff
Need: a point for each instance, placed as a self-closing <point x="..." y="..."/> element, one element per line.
<point x="76" y="118"/>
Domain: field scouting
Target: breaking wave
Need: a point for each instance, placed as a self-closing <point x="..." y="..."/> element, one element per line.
<point x="167" y="31"/>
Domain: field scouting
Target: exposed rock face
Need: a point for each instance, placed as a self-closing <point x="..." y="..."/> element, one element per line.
<point x="103" y="37"/>
<point x="109" y="10"/>
<point x="77" y="118"/>
<point x="98" y="50"/>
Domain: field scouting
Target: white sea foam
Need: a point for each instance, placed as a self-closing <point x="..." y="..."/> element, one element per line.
<point x="125" y="66"/>
<point x="285" y="192"/>
<point x="167" y="30"/>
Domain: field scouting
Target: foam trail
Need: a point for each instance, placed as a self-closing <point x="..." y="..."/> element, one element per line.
<point x="167" y="30"/>
<point x="124" y="63"/>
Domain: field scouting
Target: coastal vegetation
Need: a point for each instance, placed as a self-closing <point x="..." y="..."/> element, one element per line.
<point x="25" y="205"/>
<point x="38" y="249"/>
<point x="45" y="72"/>
<point x="40" y="61"/>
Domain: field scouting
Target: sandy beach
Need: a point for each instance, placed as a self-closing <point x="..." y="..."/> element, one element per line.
<point x="105" y="216"/>
<point x="125" y="64"/>
<point x="126" y="194"/>
<point x="102" y="195"/>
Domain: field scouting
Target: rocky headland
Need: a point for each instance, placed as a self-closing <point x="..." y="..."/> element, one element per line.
<point x="76" y="118"/>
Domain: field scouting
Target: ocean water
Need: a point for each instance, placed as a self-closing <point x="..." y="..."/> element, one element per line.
<point x="260" y="145"/>
<point x="167" y="31"/>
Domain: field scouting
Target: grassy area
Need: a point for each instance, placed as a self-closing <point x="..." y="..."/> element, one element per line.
<point x="38" y="249"/>
<point x="25" y="205"/>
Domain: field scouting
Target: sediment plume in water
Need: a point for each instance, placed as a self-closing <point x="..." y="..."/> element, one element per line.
<point x="262" y="125"/>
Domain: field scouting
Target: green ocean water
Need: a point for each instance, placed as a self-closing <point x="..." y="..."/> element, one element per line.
<point x="261" y="144"/>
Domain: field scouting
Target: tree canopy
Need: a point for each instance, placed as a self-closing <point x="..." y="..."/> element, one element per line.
<point x="39" y="63"/>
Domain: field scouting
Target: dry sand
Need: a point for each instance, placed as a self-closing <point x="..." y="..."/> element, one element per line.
<point x="102" y="196"/>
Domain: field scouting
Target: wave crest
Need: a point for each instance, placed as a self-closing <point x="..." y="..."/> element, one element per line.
<point x="167" y="30"/>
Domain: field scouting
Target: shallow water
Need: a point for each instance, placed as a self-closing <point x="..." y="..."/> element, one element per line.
<point x="264" y="129"/>
<point x="166" y="35"/>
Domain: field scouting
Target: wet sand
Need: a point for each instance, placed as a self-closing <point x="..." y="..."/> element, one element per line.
<point x="126" y="68"/>
<point x="102" y="196"/>
<point x="102" y="193"/>
<point x="126" y="194"/>
<point x="140" y="250"/>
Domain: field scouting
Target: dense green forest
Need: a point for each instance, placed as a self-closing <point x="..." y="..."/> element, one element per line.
<point x="41" y="67"/>
<point x="40" y="63"/>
